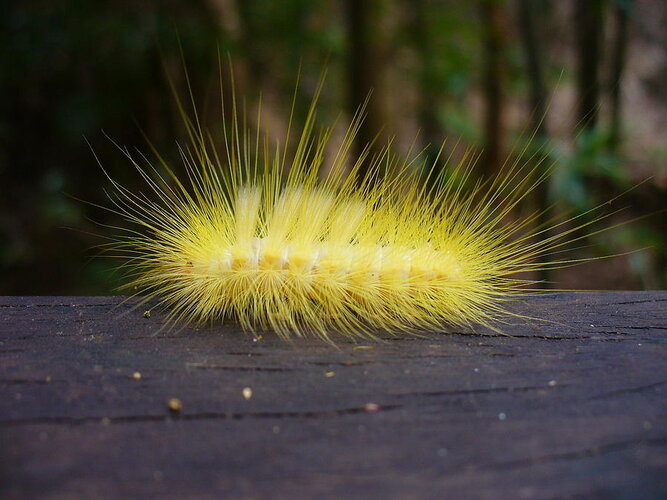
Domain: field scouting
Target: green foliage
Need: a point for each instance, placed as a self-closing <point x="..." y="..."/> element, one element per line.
<point x="590" y="159"/>
<point x="589" y="177"/>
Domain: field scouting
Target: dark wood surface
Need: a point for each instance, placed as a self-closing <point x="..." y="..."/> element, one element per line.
<point x="572" y="408"/>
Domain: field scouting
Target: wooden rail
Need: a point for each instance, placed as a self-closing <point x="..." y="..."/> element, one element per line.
<point x="573" y="407"/>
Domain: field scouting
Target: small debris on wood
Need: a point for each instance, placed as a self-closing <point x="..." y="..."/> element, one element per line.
<point x="136" y="375"/>
<point x="175" y="405"/>
<point x="502" y="416"/>
<point x="371" y="407"/>
<point x="147" y="314"/>
<point x="552" y="383"/>
<point x="329" y="374"/>
<point x="247" y="392"/>
<point x="364" y="347"/>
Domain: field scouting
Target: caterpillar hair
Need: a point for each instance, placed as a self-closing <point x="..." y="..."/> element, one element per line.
<point x="294" y="239"/>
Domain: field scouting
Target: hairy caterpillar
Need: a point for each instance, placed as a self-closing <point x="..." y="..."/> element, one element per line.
<point x="273" y="240"/>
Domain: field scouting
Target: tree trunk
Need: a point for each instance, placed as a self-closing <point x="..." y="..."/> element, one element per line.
<point x="493" y="35"/>
<point x="428" y="86"/>
<point x="534" y="58"/>
<point x="588" y="23"/>
<point x="363" y="75"/>
<point x="538" y="124"/>
<point x="621" y="11"/>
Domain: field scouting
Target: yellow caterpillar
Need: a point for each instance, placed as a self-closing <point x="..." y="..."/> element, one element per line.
<point x="274" y="240"/>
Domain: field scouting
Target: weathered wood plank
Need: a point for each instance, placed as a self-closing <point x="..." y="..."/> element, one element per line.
<point x="574" y="407"/>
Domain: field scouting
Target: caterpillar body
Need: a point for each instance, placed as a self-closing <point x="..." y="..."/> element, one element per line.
<point x="296" y="243"/>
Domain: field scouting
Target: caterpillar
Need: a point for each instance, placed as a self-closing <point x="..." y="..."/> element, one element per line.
<point x="294" y="240"/>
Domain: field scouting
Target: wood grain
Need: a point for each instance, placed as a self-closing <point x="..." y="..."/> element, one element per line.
<point x="572" y="407"/>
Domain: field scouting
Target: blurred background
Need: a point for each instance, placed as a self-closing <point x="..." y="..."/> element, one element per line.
<point x="481" y="72"/>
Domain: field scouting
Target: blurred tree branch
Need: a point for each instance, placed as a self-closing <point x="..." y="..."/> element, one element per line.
<point x="538" y="118"/>
<point x="621" y="12"/>
<point x="588" y="20"/>
<point x="493" y="33"/>
<point x="364" y="71"/>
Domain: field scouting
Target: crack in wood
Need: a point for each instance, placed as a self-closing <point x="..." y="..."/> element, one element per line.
<point x="342" y="363"/>
<point x="203" y="366"/>
<point x="517" y="336"/>
<point x="629" y="390"/>
<point x="74" y="306"/>
<point x="627" y="327"/>
<point x="648" y="301"/>
<point x="593" y="451"/>
<point x="126" y="419"/>
<point x="22" y="381"/>
<point x="483" y="390"/>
